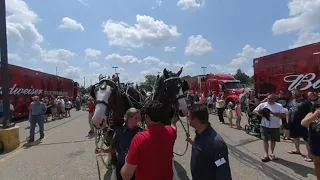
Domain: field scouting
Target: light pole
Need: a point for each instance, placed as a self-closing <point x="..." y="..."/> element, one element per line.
<point x="56" y="71"/>
<point x="204" y="70"/>
<point x="115" y="69"/>
<point x="84" y="82"/>
<point x="4" y="65"/>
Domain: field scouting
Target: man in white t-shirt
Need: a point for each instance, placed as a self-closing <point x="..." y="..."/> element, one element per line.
<point x="271" y="114"/>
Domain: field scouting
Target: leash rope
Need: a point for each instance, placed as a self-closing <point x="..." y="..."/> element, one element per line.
<point x="186" y="130"/>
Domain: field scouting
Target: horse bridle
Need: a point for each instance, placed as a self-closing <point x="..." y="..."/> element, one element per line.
<point x="176" y="113"/>
<point x="103" y="85"/>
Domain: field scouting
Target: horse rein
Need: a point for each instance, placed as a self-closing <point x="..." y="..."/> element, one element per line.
<point x="176" y="115"/>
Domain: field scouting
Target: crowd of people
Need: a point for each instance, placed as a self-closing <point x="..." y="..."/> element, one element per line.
<point x="41" y="109"/>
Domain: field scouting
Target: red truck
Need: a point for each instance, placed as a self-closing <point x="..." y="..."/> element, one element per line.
<point x="25" y="83"/>
<point x="297" y="68"/>
<point x="217" y="83"/>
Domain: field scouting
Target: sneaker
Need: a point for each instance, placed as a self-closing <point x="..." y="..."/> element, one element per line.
<point x="30" y="141"/>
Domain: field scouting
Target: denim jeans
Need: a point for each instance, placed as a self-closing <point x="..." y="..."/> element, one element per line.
<point x="36" y="120"/>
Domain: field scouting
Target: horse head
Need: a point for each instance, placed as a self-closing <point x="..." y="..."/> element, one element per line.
<point x="169" y="90"/>
<point x="109" y="103"/>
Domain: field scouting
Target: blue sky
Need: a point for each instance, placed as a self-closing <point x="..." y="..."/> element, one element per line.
<point x="85" y="38"/>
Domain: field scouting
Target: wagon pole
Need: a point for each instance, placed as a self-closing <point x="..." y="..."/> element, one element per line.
<point x="4" y="65"/>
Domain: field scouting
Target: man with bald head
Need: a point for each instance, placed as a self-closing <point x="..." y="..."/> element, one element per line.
<point x="37" y="112"/>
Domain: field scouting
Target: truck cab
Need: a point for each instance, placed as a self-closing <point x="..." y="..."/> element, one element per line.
<point x="223" y="83"/>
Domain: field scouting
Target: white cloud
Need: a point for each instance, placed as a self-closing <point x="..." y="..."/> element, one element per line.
<point x="73" y="72"/>
<point x="197" y="45"/>
<point x="242" y="61"/>
<point x="159" y="2"/>
<point x="124" y="59"/>
<point x="93" y="64"/>
<point x="169" y="49"/>
<point x="238" y="61"/>
<point x="247" y="54"/>
<point x="154" y="60"/>
<point x="147" y="31"/>
<point x="151" y="71"/>
<point x="84" y="2"/>
<point x="92" y="53"/>
<point x="55" y="56"/>
<point x="21" y="23"/>
<point x="303" y="19"/>
<point x="306" y="37"/>
<point x="68" y="23"/>
<point x="250" y="52"/>
<point x="14" y="57"/>
<point x="164" y="64"/>
<point x="132" y="59"/>
<point x="187" y="68"/>
<point x="188" y="4"/>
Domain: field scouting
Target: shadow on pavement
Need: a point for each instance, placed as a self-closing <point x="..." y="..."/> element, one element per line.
<point x="255" y="164"/>
<point x="90" y="136"/>
<point x="297" y="168"/>
<point x="246" y="141"/>
<point x="64" y="142"/>
<point x="69" y="120"/>
<point x="182" y="173"/>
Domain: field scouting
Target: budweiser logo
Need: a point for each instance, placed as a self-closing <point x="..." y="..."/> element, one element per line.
<point x="22" y="91"/>
<point x="302" y="81"/>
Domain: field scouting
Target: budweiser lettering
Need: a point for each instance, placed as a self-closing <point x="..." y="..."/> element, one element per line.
<point x="18" y="91"/>
<point x="303" y="81"/>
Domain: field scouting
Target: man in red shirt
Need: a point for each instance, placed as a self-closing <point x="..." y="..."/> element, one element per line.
<point x="91" y="107"/>
<point x="151" y="151"/>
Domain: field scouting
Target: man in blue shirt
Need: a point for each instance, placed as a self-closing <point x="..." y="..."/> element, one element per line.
<point x="209" y="158"/>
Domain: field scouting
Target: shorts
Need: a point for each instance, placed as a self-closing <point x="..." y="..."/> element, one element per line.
<point x="285" y="124"/>
<point x="243" y="107"/>
<point x="68" y="109"/>
<point x="315" y="149"/>
<point x="270" y="134"/>
<point x="298" y="131"/>
<point x="210" y="105"/>
<point x="54" y="110"/>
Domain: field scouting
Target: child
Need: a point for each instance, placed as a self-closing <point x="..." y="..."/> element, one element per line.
<point x="230" y="113"/>
<point x="68" y="107"/>
<point x="238" y="114"/>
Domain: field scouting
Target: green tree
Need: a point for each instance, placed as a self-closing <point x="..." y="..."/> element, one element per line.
<point x="148" y="84"/>
<point x="242" y="77"/>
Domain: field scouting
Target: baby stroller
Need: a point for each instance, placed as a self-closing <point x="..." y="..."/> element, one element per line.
<point x="254" y="127"/>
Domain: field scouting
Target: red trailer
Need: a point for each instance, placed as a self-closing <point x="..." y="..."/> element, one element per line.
<point x="297" y="68"/>
<point x="25" y="83"/>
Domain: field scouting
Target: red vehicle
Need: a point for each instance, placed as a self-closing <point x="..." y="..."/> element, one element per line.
<point x="297" y="68"/>
<point x="25" y="83"/>
<point x="217" y="83"/>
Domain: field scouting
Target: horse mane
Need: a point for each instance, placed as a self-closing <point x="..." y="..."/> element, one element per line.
<point x="159" y="86"/>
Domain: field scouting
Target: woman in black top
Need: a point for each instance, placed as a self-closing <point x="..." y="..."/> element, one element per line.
<point x="312" y="121"/>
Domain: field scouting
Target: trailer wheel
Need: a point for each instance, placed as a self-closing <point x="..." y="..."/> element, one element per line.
<point x="1" y="147"/>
